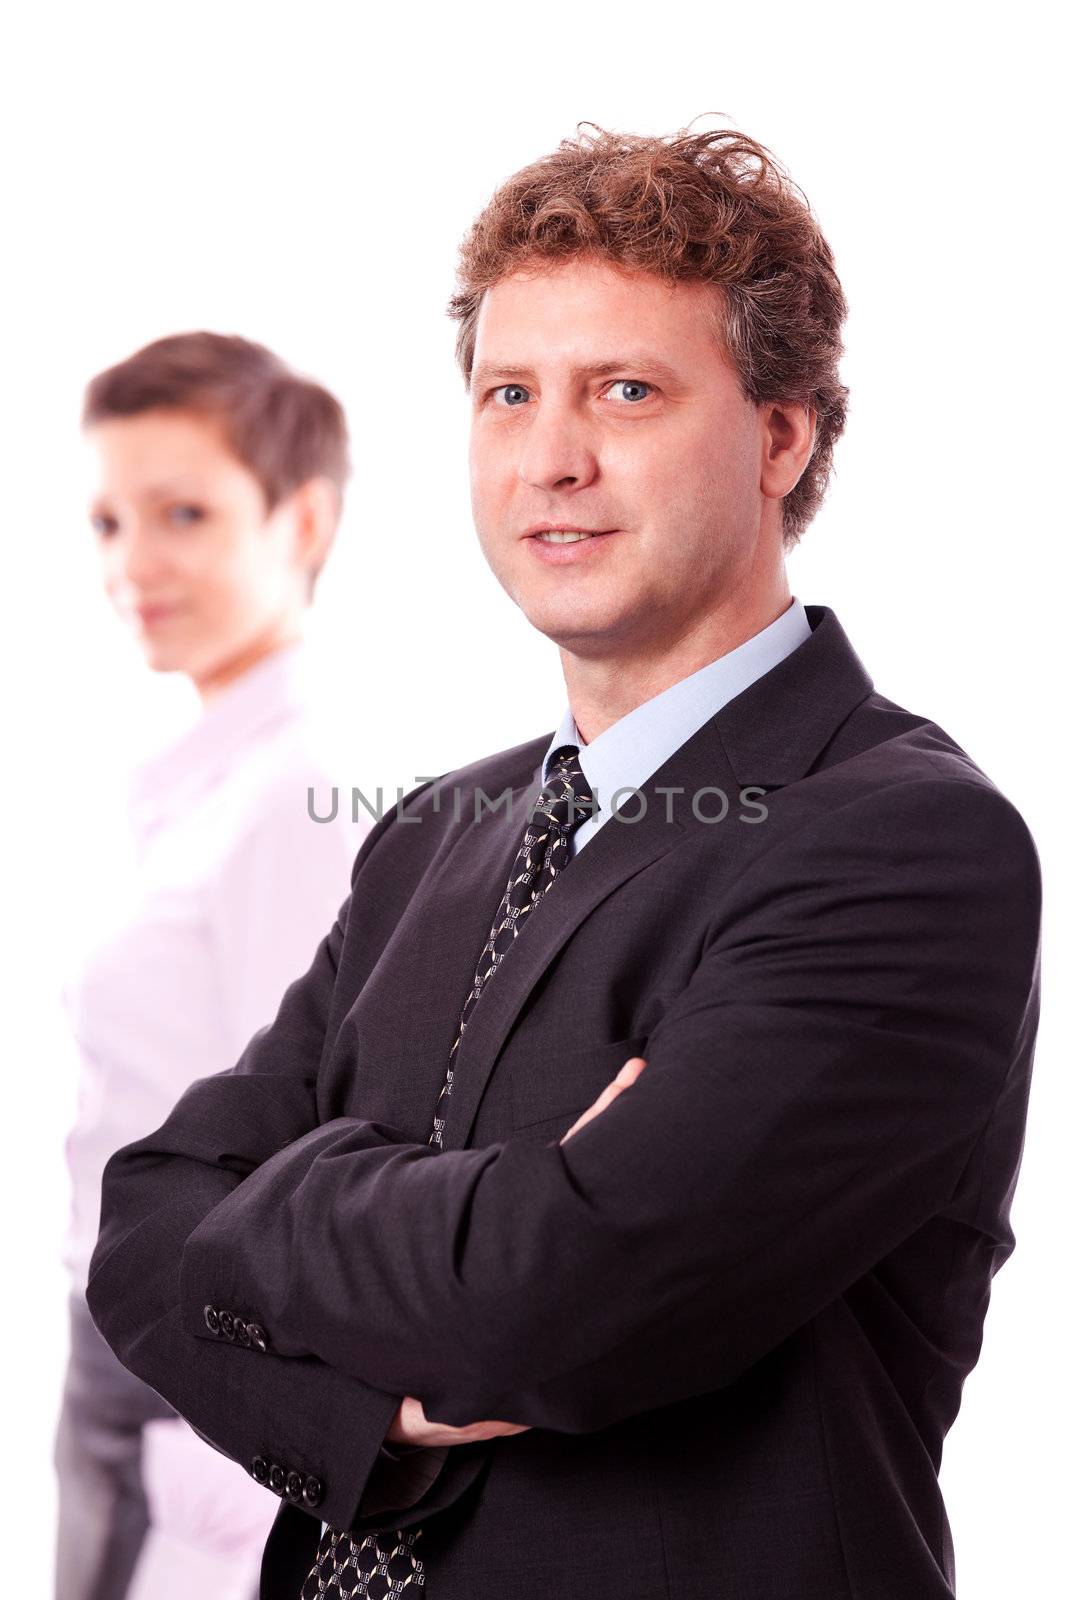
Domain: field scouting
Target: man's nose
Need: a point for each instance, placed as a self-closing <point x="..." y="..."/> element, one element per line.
<point x="557" y="450"/>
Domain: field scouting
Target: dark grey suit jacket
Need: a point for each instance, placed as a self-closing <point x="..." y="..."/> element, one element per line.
<point x="738" y="1307"/>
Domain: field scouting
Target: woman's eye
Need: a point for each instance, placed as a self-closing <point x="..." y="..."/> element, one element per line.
<point x="186" y="514"/>
<point x="630" y="389"/>
<point x="511" y="394"/>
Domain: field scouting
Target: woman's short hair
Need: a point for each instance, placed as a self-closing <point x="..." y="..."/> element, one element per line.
<point x="284" y="428"/>
<point x="714" y="207"/>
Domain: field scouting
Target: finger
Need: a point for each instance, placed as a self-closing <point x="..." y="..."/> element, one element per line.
<point x="628" y="1074"/>
<point x="630" y="1071"/>
<point x="443" y="1433"/>
<point x="587" y="1116"/>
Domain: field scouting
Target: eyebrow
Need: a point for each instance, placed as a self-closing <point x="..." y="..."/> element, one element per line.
<point x="632" y="361"/>
<point x="157" y="491"/>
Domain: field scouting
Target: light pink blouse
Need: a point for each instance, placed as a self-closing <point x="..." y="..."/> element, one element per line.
<point x="234" y="886"/>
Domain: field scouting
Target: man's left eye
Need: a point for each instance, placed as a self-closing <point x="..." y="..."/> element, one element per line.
<point x="186" y="513"/>
<point x="630" y="389"/>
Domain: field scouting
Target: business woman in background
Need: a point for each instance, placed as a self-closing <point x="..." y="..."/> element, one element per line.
<point x="219" y="486"/>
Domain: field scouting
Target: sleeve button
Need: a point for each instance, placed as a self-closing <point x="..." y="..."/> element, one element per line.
<point x="226" y="1324"/>
<point x="240" y="1329"/>
<point x="294" y="1486"/>
<point x="314" y="1489"/>
<point x="211" y="1317"/>
<point x="256" y="1336"/>
<point x="276" y="1478"/>
<point x="259" y="1469"/>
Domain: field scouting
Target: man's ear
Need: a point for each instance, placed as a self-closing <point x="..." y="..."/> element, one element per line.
<point x="788" y="442"/>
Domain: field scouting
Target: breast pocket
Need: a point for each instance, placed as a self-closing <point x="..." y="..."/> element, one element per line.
<point x="550" y="1089"/>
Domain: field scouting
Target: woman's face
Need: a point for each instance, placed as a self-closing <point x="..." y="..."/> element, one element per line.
<point x="192" y="562"/>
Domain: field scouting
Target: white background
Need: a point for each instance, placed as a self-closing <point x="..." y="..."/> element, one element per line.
<point x="301" y="175"/>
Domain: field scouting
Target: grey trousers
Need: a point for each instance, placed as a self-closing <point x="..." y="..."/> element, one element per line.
<point x="103" y="1514"/>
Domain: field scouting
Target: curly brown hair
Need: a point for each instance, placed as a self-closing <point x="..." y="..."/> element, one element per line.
<point x="715" y="207"/>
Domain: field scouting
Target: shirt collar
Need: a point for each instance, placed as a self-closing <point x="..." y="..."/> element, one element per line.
<point x="637" y="745"/>
<point x="262" y="699"/>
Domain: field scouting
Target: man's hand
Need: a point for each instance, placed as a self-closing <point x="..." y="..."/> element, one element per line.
<point x="628" y="1073"/>
<point x="410" y="1426"/>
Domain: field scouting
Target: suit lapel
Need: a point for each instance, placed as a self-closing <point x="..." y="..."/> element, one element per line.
<point x="774" y="732"/>
<point x="417" y="992"/>
<point x="769" y="735"/>
<point x="614" y="854"/>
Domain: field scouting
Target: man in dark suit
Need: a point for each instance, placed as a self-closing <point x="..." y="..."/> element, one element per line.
<point x="492" y="1316"/>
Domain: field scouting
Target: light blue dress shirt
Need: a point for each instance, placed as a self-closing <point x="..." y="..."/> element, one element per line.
<point x="622" y="757"/>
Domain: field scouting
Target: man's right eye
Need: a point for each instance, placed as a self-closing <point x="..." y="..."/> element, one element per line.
<point x="511" y="394"/>
<point x="103" y="526"/>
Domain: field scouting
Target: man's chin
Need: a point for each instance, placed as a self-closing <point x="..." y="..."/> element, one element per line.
<point x="581" y="630"/>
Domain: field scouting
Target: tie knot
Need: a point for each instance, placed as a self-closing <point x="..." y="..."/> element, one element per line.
<point x="566" y="799"/>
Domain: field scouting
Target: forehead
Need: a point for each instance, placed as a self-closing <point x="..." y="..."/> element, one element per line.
<point x="582" y="311"/>
<point x="161" y="445"/>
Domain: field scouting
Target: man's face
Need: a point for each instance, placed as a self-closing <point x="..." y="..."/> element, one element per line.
<point x="602" y="402"/>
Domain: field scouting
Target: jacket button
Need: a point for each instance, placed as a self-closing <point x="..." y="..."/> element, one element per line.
<point x="276" y="1478"/>
<point x="226" y="1324"/>
<point x="314" y="1489"/>
<point x="211" y="1317"/>
<point x="240" y="1330"/>
<point x="294" y="1486"/>
<point x="256" y="1336"/>
<point x="259" y="1469"/>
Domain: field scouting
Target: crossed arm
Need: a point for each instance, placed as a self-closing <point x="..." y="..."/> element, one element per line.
<point x="809" y="1100"/>
<point x="410" y="1426"/>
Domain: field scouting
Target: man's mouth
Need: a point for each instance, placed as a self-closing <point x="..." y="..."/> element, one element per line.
<point x="567" y="535"/>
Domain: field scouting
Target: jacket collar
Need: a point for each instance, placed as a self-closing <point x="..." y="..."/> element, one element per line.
<point x="770" y="735"/>
<point x="773" y="732"/>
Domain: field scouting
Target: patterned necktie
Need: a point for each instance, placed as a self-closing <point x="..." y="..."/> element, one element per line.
<point x="378" y="1565"/>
